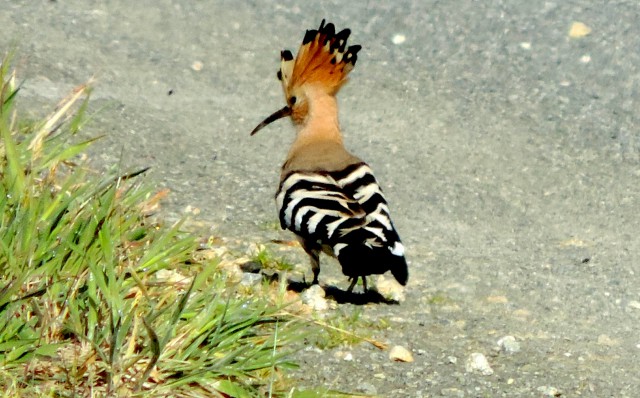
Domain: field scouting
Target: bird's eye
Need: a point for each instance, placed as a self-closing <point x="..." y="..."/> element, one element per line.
<point x="292" y="100"/>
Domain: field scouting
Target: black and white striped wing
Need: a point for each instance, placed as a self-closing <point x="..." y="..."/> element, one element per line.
<point x="377" y="240"/>
<point x="313" y="206"/>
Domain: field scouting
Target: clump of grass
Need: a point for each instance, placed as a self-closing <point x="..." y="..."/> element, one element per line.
<point x="347" y="328"/>
<point x="97" y="298"/>
<point x="439" y="298"/>
<point x="273" y="225"/>
<point x="267" y="260"/>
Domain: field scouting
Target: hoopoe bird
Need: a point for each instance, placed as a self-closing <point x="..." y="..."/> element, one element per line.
<point x="328" y="197"/>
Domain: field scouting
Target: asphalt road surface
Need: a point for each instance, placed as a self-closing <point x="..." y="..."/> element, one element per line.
<point x="507" y="146"/>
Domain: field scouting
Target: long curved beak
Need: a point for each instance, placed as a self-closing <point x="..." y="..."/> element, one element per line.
<point x="280" y="113"/>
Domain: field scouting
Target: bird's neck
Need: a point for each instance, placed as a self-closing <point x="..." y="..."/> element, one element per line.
<point x="321" y="124"/>
<point x="319" y="141"/>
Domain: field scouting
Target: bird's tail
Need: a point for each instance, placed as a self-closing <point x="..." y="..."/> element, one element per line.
<point x="323" y="59"/>
<point x="359" y="259"/>
<point x="399" y="269"/>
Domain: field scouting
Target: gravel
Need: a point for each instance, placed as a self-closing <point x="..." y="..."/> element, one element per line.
<point x="509" y="345"/>
<point x="507" y="146"/>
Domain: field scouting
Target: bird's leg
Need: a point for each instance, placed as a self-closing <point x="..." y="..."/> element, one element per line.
<point x="314" y="257"/>
<point x="354" y="280"/>
<point x="315" y="267"/>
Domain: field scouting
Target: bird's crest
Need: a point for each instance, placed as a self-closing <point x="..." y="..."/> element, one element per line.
<point x="323" y="59"/>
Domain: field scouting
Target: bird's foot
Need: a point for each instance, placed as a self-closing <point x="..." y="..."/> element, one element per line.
<point x="354" y="281"/>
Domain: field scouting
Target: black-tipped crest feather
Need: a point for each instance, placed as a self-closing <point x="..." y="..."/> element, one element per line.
<point x="322" y="58"/>
<point x="286" y="55"/>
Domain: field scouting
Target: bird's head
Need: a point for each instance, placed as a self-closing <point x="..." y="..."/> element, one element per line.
<point x="323" y="62"/>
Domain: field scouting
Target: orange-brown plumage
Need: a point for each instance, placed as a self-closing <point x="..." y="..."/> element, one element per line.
<point x="324" y="59"/>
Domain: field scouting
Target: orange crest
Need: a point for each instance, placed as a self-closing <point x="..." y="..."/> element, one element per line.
<point x="323" y="59"/>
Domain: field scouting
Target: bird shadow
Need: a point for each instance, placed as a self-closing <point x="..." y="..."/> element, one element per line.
<point x="334" y="293"/>
<point x="343" y="296"/>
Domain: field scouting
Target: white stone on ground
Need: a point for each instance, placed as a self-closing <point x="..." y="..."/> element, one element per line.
<point x="314" y="298"/>
<point x="509" y="344"/>
<point x="477" y="363"/>
<point x="400" y="354"/>
<point x="549" y="391"/>
<point x="389" y="288"/>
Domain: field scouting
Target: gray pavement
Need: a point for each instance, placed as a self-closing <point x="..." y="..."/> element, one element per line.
<point x="509" y="153"/>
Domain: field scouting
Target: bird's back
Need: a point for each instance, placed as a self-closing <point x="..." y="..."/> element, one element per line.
<point x="338" y="204"/>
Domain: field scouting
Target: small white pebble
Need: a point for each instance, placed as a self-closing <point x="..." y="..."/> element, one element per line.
<point x="171" y="276"/>
<point x="192" y="210"/>
<point x="389" y="288"/>
<point x="348" y="357"/>
<point x="585" y="59"/>
<point x="314" y="298"/>
<point x="197" y="66"/>
<point x="398" y="38"/>
<point x="452" y="392"/>
<point x="400" y="354"/>
<point x="605" y="340"/>
<point x="478" y="363"/>
<point x="578" y="30"/>
<point x="525" y="45"/>
<point x="549" y="391"/>
<point x="250" y="279"/>
<point x="509" y="344"/>
<point x="634" y="304"/>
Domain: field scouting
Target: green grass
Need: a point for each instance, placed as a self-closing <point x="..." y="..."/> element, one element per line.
<point x="346" y="327"/>
<point x="439" y="298"/>
<point x="100" y="298"/>
<point x="273" y="225"/>
<point x="269" y="261"/>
